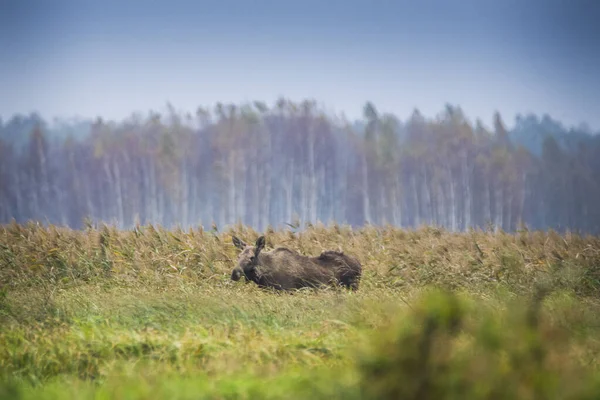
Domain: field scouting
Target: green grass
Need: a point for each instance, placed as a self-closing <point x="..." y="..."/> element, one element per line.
<point x="151" y="313"/>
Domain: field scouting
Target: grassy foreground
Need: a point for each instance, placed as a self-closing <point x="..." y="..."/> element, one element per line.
<point x="151" y="314"/>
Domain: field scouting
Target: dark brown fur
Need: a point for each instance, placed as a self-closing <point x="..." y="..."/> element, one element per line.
<point x="285" y="269"/>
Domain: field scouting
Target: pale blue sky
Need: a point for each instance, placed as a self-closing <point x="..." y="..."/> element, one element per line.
<point x="110" y="58"/>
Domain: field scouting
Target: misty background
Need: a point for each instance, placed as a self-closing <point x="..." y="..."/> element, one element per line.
<point x="457" y="114"/>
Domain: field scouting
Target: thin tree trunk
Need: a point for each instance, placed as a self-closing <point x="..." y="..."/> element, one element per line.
<point x="365" y="177"/>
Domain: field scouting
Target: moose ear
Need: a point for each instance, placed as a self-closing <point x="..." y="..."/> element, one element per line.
<point x="238" y="243"/>
<point x="260" y="244"/>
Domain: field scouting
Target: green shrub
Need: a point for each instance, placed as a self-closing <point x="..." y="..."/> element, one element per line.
<point x="451" y="347"/>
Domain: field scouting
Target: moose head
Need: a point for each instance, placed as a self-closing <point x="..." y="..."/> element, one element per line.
<point x="247" y="259"/>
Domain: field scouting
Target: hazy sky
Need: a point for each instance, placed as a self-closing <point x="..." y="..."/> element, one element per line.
<point x="110" y="58"/>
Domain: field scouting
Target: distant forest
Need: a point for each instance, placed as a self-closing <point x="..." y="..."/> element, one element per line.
<point x="295" y="163"/>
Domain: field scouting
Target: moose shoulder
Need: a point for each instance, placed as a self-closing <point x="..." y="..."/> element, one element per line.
<point x="285" y="269"/>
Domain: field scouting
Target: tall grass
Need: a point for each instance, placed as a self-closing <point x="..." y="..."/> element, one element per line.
<point x="151" y="313"/>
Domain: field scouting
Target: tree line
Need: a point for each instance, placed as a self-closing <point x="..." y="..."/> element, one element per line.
<point x="292" y="163"/>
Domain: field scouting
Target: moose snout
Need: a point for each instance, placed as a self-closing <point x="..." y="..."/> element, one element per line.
<point x="236" y="274"/>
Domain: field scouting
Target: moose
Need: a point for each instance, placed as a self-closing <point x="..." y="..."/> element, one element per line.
<point x="285" y="269"/>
